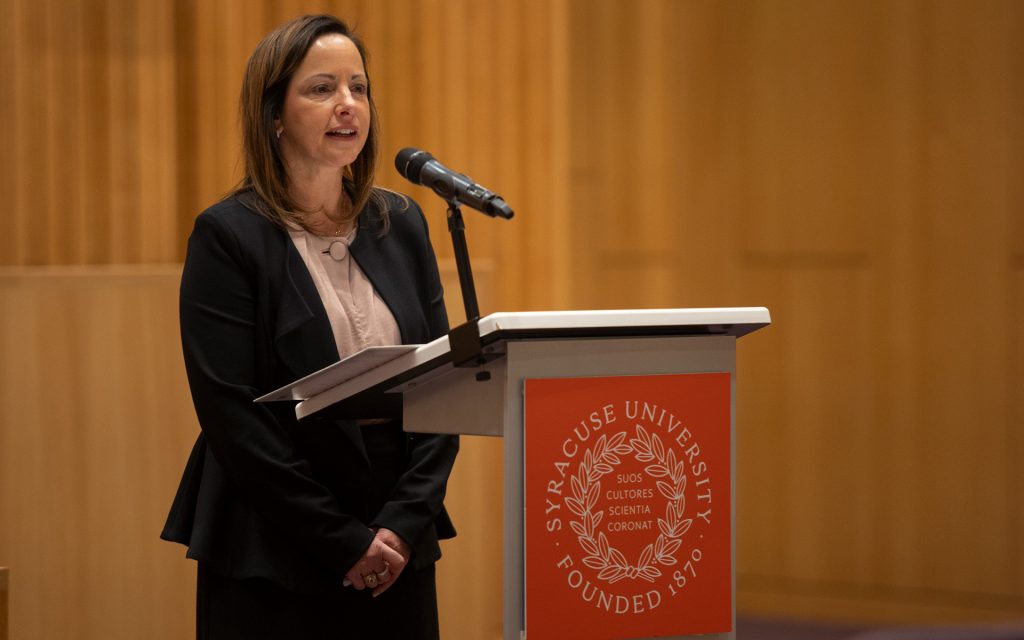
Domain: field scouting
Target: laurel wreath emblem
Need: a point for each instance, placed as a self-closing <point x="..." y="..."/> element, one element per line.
<point x="609" y="562"/>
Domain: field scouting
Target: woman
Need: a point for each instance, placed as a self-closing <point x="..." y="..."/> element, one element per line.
<point x="325" y="528"/>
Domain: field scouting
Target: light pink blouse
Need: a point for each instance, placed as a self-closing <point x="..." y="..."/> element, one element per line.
<point x="359" y="318"/>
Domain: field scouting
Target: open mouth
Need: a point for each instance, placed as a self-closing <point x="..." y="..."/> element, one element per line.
<point x="342" y="133"/>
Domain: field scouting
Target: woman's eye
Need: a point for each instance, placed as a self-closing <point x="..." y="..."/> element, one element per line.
<point x="360" y="89"/>
<point x="322" y="89"/>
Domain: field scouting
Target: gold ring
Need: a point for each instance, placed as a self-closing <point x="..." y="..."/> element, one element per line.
<point x="370" y="580"/>
<point x="384" y="576"/>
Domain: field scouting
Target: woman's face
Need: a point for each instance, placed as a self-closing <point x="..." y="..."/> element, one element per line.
<point x="326" y="114"/>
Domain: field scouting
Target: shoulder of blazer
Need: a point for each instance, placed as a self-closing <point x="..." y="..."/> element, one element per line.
<point x="255" y="243"/>
<point x="243" y="223"/>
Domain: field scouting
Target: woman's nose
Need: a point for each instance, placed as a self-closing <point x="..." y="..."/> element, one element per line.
<point x="345" y="101"/>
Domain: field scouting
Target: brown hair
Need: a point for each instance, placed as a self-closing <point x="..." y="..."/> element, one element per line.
<point x="267" y="75"/>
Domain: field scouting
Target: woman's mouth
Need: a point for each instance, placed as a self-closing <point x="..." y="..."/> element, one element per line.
<point x="342" y="132"/>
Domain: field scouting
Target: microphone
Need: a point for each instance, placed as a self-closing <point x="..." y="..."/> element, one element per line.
<point x="419" y="167"/>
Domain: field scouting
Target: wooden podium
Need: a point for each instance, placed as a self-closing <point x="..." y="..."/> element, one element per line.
<point x="620" y="508"/>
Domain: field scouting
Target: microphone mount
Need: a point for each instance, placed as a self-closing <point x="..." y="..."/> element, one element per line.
<point x="419" y="167"/>
<point x="464" y="340"/>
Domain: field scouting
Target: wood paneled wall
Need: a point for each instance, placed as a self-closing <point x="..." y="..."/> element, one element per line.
<point x="90" y="132"/>
<point x="853" y="166"/>
<point x="96" y="421"/>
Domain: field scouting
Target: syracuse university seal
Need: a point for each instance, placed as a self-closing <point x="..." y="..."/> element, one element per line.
<point x="628" y="516"/>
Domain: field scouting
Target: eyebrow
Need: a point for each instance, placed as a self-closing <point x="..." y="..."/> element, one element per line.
<point x="331" y="76"/>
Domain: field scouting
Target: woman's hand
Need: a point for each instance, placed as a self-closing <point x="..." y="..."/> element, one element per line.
<point x="378" y="567"/>
<point x="393" y="540"/>
<point x="400" y="546"/>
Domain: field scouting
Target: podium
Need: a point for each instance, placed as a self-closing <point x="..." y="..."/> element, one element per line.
<point x="619" y="449"/>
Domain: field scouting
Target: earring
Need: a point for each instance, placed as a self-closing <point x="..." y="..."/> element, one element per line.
<point x="279" y="131"/>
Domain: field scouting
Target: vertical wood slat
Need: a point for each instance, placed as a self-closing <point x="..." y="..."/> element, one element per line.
<point x="1015" y="442"/>
<point x="9" y="113"/>
<point x="23" y="106"/>
<point x="1015" y="55"/>
<point x="157" y="132"/>
<point x="123" y="129"/>
<point x="76" y="127"/>
<point x="4" y="589"/>
<point x="94" y="155"/>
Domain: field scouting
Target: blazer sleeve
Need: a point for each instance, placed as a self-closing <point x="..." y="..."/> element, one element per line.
<point x="418" y="498"/>
<point x="220" y="333"/>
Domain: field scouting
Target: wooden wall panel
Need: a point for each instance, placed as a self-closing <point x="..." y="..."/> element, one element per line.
<point x="95" y="423"/>
<point x="849" y="167"/>
<point x="959" y="386"/>
<point x="814" y="123"/>
<point x="469" y="576"/>
<point x="814" y="422"/>
<point x="89" y="132"/>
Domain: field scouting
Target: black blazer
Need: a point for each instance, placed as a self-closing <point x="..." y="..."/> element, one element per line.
<point x="263" y="495"/>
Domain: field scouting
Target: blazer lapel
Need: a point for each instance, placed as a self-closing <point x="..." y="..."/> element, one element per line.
<point x="303" y="339"/>
<point x="373" y="259"/>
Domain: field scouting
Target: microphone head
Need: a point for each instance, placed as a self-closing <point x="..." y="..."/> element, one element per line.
<point x="498" y="208"/>
<point x="409" y="163"/>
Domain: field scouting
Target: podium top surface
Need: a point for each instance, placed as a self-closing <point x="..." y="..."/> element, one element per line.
<point x="735" y="321"/>
<point x="379" y="370"/>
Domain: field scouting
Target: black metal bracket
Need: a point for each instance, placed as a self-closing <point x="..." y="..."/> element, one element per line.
<point x="464" y="340"/>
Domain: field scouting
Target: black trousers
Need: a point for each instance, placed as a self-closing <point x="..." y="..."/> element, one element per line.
<point x="258" y="609"/>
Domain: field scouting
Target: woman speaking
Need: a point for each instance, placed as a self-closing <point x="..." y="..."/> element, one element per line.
<point x="328" y="528"/>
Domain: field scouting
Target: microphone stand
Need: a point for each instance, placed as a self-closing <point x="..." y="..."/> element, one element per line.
<point x="457" y="228"/>
<point x="464" y="340"/>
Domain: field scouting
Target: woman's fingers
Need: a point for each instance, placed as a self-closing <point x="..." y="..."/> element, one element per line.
<point x="396" y="563"/>
<point x="393" y="540"/>
<point x="392" y="557"/>
<point x="379" y="566"/>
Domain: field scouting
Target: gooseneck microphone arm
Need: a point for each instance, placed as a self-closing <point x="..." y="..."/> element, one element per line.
<point x="419" y="167"/>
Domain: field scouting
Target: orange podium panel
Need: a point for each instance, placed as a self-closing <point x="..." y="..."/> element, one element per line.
<point x="627" y="530"/>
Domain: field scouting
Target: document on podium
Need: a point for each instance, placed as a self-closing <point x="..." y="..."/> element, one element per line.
<point x="338" y="373"/>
